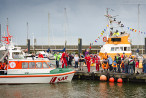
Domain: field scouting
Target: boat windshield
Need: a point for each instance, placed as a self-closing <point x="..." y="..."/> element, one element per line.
<point x="50" y="64"/>
<point x="17" y="55"/>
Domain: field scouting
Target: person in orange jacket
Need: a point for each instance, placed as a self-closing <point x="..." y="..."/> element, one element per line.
<point x="88" y="61"/>
<point x="63" y="57"/>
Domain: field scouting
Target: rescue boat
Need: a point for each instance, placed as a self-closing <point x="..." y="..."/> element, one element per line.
<point x="34" y="71"/>
<point x="16" y="69"/>
<point x="117" y="41"/>
<point x="116" y="44"/>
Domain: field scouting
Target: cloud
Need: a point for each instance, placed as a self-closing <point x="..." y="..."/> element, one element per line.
<point x="85" y="18"/>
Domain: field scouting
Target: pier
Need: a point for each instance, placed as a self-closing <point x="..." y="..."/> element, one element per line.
<point x="94" y="75"/>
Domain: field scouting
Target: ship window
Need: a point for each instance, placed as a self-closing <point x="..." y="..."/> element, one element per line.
<point x="116" y="48"/>
<point x="112" y="48"/>
<point x="129" y="49"/>
<point x="45" y="65"/>
<point x="39" y="65"/>
<point x="24" y="65"/>
<point x="31" y="64"/>
<point x="125" y="48"/>
<point x="121" y="48"/>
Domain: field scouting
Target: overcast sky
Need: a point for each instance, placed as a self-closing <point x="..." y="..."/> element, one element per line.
<point x="86" y="19"/>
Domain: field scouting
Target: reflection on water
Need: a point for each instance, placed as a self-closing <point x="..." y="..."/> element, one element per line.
<point x="77" y="88"/>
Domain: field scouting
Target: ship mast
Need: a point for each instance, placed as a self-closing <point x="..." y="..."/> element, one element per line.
<point x="108" y="22"/>
<point x="65" y="30"/>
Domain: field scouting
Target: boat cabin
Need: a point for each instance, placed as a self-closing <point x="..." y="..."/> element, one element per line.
<point x="29" y="66"/>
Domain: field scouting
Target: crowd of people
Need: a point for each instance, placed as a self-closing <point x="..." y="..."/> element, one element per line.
<point x="121" y="63"/>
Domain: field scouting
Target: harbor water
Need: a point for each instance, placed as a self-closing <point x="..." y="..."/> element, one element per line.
<point x="75" y="89"/>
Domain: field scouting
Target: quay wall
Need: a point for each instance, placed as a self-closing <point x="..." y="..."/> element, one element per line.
<point x="74" y="48"/>
<point x="80" y="75"/>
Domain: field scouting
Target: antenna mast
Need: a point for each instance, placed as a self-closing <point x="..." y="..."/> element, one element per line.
<point x="65" y="26"/>
<point x="48" y="29"/>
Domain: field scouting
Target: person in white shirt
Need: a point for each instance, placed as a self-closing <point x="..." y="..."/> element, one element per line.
<point x="76" y="58"/>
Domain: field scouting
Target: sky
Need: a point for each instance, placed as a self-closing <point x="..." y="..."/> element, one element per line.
<point x="83" y="19"/>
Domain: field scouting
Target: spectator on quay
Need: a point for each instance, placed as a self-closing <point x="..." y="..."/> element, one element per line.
<point x="134" y="64"/>
<point x="46" y="54"/>
<point x="105" y="56"/>
<point x="67" y="58"/>
<point x="126" y="60"/>
<point x="81" y="61"/>
<point x="97" y="61"/>
<point x="123" y="56"/>
<point x="64" y="60"/>
<point x="130" y="63"/>
<point x="115" y="64"/>
<point x="57" y="58"/>
<point x="110" y="61"/>
<point x="119" y="62"/>
<point x="122" y="66"/>
<point x="144" y="63"/>
<point x="76" y="58"/>
<point x="88" y="61"/>
<point x="137" y="66"/>
<point x="70" y="59"/>
<point x="84" y="52"/>
<point x="87" y="52"/>
<point x="40" y="55"/>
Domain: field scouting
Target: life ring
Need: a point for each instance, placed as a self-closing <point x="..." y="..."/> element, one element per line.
<point x="104" y="39"/>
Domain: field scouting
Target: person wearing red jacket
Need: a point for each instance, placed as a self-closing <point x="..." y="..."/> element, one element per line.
<point x="63" y="57"/>
<point x="88" y="60"/>
<point x="97" y="61"/>
<point x="40" y="55"/>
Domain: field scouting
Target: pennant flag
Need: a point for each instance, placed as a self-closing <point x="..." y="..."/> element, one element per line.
<point x="139" y="31"/>
<point x="107" y="25"/>
<point x="100" y="35"/>
<point x="135" y="30"/>
<point x="132" y="29"/>
<point x="144" y="32"/>
<point x="128" y="28"/>
<point x="104" y="29"/>
<point x="95" y="41"/>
